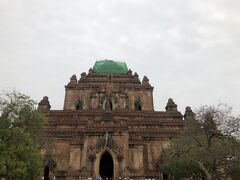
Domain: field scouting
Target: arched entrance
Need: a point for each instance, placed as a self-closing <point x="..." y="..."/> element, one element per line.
<point x="46" y="173"/>
<point x="106" y="166"/>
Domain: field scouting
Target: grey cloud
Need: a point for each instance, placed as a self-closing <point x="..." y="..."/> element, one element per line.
<point x="188" y="49"/>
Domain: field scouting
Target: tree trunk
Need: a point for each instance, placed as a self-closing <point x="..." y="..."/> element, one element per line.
<point x="209" y="175"/>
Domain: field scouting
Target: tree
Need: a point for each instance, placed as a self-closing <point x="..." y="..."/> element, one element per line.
<point x="20" y="143"/>
<point x="207" y="148"/>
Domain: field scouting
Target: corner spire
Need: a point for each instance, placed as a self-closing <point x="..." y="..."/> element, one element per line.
<point x="171" y="106"/>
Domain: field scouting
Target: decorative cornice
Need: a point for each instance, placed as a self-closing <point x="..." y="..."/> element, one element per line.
<point x="106" y="142"/>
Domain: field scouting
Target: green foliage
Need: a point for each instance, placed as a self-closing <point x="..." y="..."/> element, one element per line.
<point x="20" y="128"/>
<point x="179" y="166"/>
<point x="207" y="148"/>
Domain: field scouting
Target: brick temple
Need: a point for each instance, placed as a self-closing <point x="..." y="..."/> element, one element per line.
<point x="108" y="127"/>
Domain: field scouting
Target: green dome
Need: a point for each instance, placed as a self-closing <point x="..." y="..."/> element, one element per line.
<point x="110" y="66"/>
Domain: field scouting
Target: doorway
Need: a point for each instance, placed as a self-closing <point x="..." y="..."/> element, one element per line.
<point x="46" y="173"/>
<point x="106" y="166"/>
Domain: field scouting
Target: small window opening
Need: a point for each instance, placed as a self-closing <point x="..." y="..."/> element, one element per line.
<point x="79" y="105"/>
<point x="138" y="104"/>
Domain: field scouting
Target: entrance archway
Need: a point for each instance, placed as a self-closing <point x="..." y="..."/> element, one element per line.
<point x="46" y="173"/>
<point x="106" y="166"/>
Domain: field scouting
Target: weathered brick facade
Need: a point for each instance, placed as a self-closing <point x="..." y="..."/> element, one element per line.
<point x="108" y="127"/>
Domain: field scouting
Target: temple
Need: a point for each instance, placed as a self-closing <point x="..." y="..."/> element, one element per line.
<point x="108" y="127"/>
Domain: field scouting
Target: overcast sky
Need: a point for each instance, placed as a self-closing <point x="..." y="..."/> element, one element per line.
<point x="189" y="49"/>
